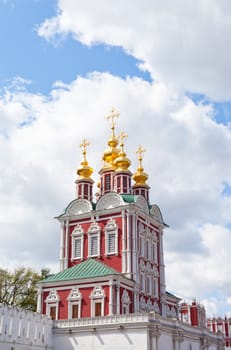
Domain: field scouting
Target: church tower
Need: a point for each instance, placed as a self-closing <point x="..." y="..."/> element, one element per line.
<point x="111" y="250"/>
<point x="84" y="183"/>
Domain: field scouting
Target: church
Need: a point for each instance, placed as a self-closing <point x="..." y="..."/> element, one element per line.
<point x="110" y="292"/>
<point x="111" y="254"/>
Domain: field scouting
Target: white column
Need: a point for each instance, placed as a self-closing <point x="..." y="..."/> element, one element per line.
<point x="134" y="247"/>
<point x="66" y="245"/>
<point x="61" y="255"/>
<point x="124" y="262"/>
<point x="110" y="297"/>
<point x="118" y="298"/>
<point x="128" y="245"/>
<point x="39" y="301"/>
<point x="161" y="262"/>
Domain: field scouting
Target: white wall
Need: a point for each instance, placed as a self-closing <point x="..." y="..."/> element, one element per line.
<point x="135" y="332"/>
<point x="24" y="330"/>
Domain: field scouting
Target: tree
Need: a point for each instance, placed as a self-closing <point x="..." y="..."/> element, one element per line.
<point x="19" y="287"/>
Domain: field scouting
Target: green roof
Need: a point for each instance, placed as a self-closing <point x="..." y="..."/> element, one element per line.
<point x="86" y="269"/>
<point x="128" y="198"/>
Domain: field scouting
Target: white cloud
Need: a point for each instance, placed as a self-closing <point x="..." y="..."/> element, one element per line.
<point x="187" y="160"/>
<point x="186" y="45"/>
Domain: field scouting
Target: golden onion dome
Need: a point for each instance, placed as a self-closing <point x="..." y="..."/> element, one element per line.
<point x="122" y="162"/>
<point x="111" y="153"/>
<point x="84" y="171"/>
<point x="140" y="177"/>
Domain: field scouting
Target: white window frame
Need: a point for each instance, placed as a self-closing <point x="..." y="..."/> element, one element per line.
<point x="111" y="229"/>
<point x="149" y="285"/>
<point x="142" y="282"/>
<point x="126" y="301"/>
<point x="74" y="298"/>
<point x="155" y="287"/>
<point x="149" y="249"/>
<point x="52" y="300"/>
<point x="94" y="231"/>
<point x="97" y="295"/>
<point x="77" y="234"/>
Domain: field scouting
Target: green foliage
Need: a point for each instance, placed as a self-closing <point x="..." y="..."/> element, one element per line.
<point x="19" y="287"/>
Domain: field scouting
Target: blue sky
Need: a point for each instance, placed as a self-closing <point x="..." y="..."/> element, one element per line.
<point x="63" y="65"/>
<point x="27" y="55"/>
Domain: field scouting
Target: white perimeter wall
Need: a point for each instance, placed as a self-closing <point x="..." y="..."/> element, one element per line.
<point x="24" y="330"/>
<point x="135" y="332"/>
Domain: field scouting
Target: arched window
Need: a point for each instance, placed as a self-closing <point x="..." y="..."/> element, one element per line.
<point x="94" y="240"/>
<point x="77" y="243"/>
<point x="97" y="301"/>
<point x="74" y="303"/>
<point x="111" y="238"/>
<point x="52" y="304"/>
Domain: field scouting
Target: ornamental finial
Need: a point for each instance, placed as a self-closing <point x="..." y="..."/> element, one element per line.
<point x="140" y="152"/>
<point x="84" y="146"/>
<point x="114" y="114"/>
<point x="122" y="137"/>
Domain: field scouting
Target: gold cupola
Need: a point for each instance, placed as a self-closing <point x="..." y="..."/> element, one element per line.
<point x="122" y="163"/>
<point x="140" y="177"/>
<point x="111" y="153"/>
<point x="84" y="171"/>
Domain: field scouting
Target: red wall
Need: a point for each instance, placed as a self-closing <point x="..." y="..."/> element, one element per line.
<point x="114" y="261"/>
<point x="85" y="303"/>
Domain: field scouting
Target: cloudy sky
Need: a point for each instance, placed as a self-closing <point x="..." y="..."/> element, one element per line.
<point x="166" y="67"/>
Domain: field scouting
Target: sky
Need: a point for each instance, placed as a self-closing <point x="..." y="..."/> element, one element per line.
<point x="166" y="67"/>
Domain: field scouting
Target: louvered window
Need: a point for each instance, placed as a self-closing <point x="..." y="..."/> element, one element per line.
<point x="94" y="245"/>
<point x="77" y="248"/>
<point x="111" y="248"/>
<point x="111" y="238"/>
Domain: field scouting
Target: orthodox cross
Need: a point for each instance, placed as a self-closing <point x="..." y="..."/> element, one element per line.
<point x="122" y="137"/>
<point x="114" y="114"/>
<point x="84" y="145"/>
<point x="140" y="152"/>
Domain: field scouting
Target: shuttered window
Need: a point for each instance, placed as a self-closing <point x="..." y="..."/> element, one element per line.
<point x="111" y="248"/>
<point x="94" y="245"/>
<point x="77" y="248"/>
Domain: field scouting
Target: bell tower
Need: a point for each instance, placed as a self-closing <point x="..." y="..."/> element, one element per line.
<point x="84" y="182"/>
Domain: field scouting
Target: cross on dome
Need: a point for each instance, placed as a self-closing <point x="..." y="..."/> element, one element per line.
<point x="114" y="114"/>
<point x="140" y="152"/>
<point x="84" y="146"/>
<point x="122" y="137"/>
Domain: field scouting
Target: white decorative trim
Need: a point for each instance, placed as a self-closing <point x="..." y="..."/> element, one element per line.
<point x="156" y="307"/>
<point x="79" y="206"/>
<point x="52" y="297"/>
<point x="149" y="305"/>
<point x="156" y="213"/>
<point x="109" y="200"/>
<point x="142" y="204"/>
<point x="74" y="294"/>
<point x="77" y="234"/>
<point x="94" y="232"/>
<point x="52" y="300"/>
<point x="97" y="292"/>
<point x="126" y="301"/>
<point x="111" y="229"/>
<point x="143" y="305"/>
<point x="74" y="298"/>
<point x="97" y="295"/>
